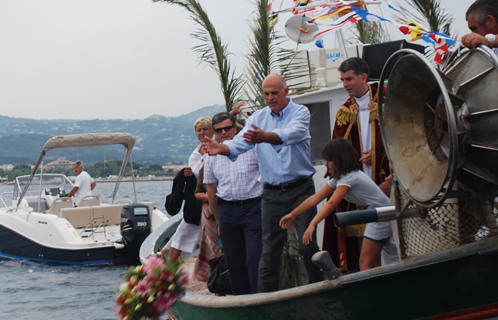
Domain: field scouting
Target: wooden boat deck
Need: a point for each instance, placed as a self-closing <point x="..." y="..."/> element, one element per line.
<point x="196" y="286"/>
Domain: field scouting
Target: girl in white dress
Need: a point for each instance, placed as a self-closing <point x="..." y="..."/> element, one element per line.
<point x="348" y="182"/>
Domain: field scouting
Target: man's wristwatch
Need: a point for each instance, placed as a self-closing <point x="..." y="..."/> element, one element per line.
<point x="491" y="38"/>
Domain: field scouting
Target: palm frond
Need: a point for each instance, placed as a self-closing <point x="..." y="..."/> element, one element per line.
<point x="267" y="57"/>
<point x="260" y="56"/>
<point x="212" y="51"/>
<point x="370" y="32"/>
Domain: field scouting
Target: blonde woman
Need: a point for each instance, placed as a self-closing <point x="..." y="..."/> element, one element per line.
<point x="187" y="235"/>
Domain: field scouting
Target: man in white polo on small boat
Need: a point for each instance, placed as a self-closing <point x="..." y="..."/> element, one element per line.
<point x="83" y="185"/>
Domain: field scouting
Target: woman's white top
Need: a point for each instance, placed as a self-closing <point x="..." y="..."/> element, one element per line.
<point x="196" y="160"/>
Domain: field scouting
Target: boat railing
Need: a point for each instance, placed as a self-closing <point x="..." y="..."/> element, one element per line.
<point x="5" y="205"/>
<point x="93" y="230"/>
<point x="2" y="195"/>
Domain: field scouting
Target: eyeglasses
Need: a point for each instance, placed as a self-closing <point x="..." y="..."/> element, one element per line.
<point x="220" y="130"/>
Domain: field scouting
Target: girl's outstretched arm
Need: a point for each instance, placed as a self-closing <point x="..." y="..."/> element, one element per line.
<point x="307" y="204"/>
<point x="328" y="208"/>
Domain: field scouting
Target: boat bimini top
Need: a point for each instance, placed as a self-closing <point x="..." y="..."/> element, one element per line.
<point x="88" y="140"/>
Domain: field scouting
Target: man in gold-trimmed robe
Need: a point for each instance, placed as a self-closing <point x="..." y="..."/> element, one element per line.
<point x="358" y="122"/>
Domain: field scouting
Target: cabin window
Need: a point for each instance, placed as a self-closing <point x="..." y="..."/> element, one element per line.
<point x="319" y="130"/>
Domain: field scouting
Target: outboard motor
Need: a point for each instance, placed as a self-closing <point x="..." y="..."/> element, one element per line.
<point x="135" y="227"/>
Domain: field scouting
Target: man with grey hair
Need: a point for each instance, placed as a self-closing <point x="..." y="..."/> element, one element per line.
<point x="482" y="19"/>
<point x="280" y="135"/>
<point x="83" y="185"/>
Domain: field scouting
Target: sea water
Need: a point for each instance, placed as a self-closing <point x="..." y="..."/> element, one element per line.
<point x="40" y="291"/>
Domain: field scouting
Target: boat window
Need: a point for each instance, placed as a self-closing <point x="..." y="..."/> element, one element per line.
<point x="319" y="129"/>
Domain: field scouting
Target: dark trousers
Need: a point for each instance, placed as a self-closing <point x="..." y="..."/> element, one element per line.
<point x="240" y="231"/>
<point x="274" y="205"/>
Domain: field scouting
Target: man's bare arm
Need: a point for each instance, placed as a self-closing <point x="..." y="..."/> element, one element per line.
<point x="72" y="192"/>
<point x="472" y="40"/>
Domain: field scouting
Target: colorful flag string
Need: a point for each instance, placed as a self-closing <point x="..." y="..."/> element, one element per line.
<point x="349" y="12"/>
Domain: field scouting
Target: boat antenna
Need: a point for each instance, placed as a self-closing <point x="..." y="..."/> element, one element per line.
<point x="35" y="168"/>
<point x="121" y="173"/>
<point x="133" y="178"/>
<point x="41" y="183"/>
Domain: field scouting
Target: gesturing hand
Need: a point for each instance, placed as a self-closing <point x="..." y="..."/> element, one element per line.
<point x="211" y="146"/>
<point x="255" y="136"/>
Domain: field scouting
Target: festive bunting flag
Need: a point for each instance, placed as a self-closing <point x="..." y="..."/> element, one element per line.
<point x="347" y="19"/>
<point x="393" y="7"/>
<point x="441" y="47"/>
<point x="349" y="12"/>
<point x="367" y="16"/>
<point x="317" y="10"/>
<point x="332" y="12"/>
<point x="426" y="37"/>
<point x="413" y="29"/>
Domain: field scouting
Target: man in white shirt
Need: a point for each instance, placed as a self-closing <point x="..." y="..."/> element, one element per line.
<point x="83" y="185"/>
<point x="482" y="19"/>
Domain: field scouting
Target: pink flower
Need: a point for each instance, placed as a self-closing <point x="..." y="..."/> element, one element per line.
<point x="183" y="280"/>
<point x="120" y="311"/>
<point x="150" y="278"/>
<point x="150" y="289"/>
<point x="165" y="274"/>
<point x="142" y="288"/>
<point x="154" y="262"/>
<point x="164" y="301"/>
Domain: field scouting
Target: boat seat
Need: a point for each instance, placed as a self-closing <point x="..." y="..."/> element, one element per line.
<point x="79" y="217"/>
<point x="111" y="213"/>
<point x="33" y="203"/>
<point x="90" y="200"/>
<point x="59" y="204"/>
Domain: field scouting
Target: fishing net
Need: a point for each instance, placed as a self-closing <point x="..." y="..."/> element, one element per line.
<point x="456" y="222"/>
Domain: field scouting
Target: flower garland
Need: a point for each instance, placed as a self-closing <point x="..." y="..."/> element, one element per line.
<point x="150" y="289"/>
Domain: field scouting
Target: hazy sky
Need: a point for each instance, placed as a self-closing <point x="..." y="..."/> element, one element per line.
<point x="109" y="59"/>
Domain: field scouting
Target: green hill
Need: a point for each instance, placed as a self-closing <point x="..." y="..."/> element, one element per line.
<point x="159" y="139"/>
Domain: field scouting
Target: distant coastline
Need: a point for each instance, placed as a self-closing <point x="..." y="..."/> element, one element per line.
<point x="105" y="180"/>
<point x="100" y="180"/>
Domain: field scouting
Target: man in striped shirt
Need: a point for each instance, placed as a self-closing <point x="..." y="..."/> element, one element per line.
<point x="235" y="199"/>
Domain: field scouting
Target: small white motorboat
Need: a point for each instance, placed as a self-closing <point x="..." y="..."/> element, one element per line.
<point x="42" y="224"/>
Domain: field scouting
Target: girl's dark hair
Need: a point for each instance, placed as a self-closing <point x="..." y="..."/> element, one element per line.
<point x="343" y="155"/>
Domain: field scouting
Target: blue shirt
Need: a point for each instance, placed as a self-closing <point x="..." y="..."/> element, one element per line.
<point x="237" y="180"/>
<point x="279" y="163"/>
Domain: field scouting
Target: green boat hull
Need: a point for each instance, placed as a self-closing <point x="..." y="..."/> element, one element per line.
<point x="463" y="280"/>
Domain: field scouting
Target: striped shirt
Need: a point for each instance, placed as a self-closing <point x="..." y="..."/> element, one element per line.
<point x="362" y="190"/>
<point x="237" y="180"/>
